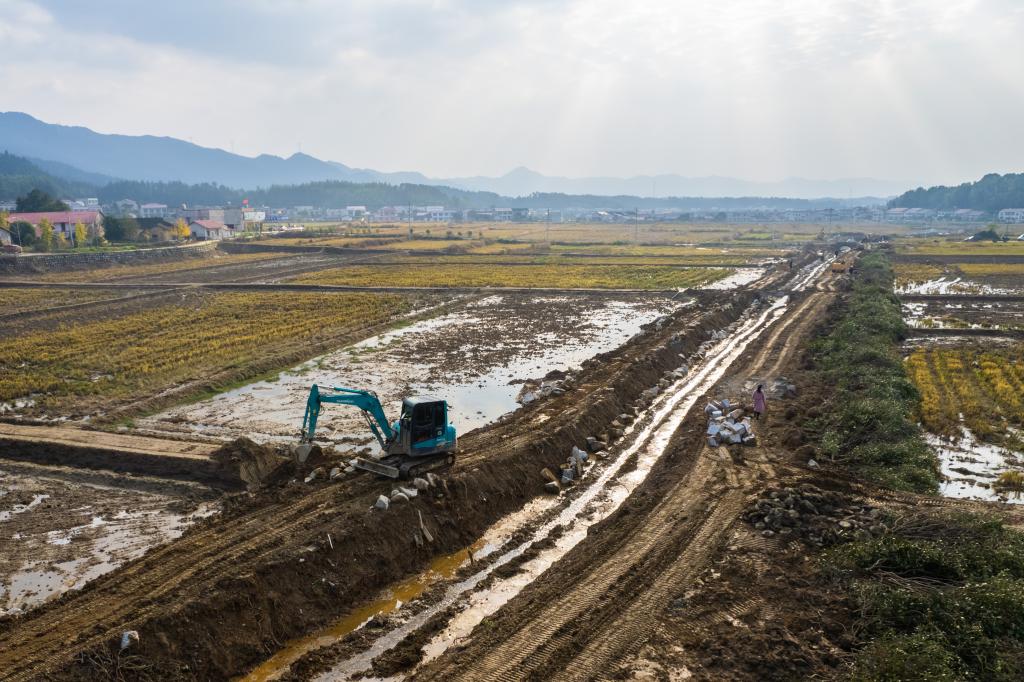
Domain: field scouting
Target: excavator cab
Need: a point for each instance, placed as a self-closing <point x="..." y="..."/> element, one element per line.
<point x="424" y="426"/>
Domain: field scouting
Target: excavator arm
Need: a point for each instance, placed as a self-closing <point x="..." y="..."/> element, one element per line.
<point x="364" y="400"/>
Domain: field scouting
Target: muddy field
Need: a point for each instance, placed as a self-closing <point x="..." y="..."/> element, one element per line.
<point x="478" y="357"/>
<point x="61" y="527"/>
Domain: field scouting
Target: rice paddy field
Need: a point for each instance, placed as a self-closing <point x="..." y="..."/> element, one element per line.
<point x="949" y="247"/>
<point x="115" y="272"/>
<point x="200" y="339"/>
<point x="534" y="276"/>
<point x="20" y="300"/>
<point x="979" y="387"/>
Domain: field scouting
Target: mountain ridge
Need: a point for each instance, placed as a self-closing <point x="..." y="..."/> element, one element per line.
<point x="133" y="157"/>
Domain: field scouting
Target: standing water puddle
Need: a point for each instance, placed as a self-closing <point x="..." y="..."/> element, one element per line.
<point x="602" y="497"/>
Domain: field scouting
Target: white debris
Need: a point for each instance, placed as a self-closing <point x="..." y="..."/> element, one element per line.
<point x="129" y="637"/>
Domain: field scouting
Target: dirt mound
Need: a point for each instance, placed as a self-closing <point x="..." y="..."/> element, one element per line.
<point x="250" y="464"/>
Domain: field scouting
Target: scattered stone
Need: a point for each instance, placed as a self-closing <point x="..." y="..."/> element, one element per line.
<point x="812" y="464"/>
<point x="397" y="497"/>
<point x="552" y="487"/>
<point x="382" y="503"/>
<point x="433" y="479"/>
<point x="593" y="444"/>
<point x="818" y="517"/>
<point x="409" y="492"/>
<point x="129" y="637"/>
<point x="315" y="474"/>
<point x="420" y="483"/>
<point x="335" y="474"/>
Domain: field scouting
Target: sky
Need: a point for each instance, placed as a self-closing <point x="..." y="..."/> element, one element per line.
<point x="925" y="91"/>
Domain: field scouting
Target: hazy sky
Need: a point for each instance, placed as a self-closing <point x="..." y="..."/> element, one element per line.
<point x="915" y="90"/>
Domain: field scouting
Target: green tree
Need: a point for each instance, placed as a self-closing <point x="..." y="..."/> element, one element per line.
<point x="81" y="235"/>
<point x="37" y="201"/>
<point x="23" y="233"/>
<point x="45" y="235"/>
<point x="121" y="229"/>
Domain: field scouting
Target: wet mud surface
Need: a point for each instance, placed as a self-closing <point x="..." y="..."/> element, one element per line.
<point x="59" y="529"/>
<point x="476" y="357"/>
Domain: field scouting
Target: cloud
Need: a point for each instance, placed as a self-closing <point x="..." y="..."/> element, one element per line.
<point x="762" y="89"/>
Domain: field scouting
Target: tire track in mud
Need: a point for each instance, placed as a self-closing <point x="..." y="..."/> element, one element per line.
<point x="572" y="627"/>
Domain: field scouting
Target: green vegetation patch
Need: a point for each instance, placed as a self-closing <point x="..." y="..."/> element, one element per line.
<point x="940" y="598"/>
<point x="868" y="420"/>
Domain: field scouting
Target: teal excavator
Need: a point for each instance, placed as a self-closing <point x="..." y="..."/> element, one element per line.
<point x="422" y="439"/>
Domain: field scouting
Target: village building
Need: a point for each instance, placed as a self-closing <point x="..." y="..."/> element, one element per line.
<point x="209" y="230"/>
<point x="63" y="222"/>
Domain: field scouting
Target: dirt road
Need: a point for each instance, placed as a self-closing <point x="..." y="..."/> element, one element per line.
<point x="595" y="606"/>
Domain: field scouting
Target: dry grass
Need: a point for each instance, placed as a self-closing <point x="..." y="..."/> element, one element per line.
<point x="138" y="355"/>
<point x="25" y="299"/>
<point x="981" y="389"/>
<point x="546" y="276"/>
<point x="116" y="272"/>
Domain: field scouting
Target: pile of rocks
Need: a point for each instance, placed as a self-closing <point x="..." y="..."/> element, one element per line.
<point x="727" y="423"/>
<point x="405" y="493"/>
<point x="554" y="382"/>
<point x="817" y="517"/>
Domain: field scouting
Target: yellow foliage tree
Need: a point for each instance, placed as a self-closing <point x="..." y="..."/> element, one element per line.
<point x="5" y="221"/>
<point x="45" y="235"/>
<point x="181" y="230"/>
<point x="80" y="234"/>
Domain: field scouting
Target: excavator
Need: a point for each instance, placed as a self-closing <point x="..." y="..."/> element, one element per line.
<point x="422" y="439"/>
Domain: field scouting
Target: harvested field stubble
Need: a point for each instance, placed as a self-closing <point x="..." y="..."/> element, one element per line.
<point x="116" y="272"/>
<point x="27" y="300"/>
<point x="974" y="387"/>
<point x="94" y="364"/>
<point x="547" y="276"/>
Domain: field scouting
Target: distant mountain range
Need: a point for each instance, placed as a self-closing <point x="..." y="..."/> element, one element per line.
<point x="82" y="155"/>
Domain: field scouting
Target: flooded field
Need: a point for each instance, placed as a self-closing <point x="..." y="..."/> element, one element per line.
<point x="476" y="357"/>
<point x="57" y="533"/>
<point x="952" y="314"/>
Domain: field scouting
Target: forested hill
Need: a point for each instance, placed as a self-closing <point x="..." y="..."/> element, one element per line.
<point x="19" y="176"/>
<point x="992" y="193"/>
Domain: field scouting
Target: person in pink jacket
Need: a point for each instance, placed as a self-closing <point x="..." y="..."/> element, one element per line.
<point x="759" y="402"/>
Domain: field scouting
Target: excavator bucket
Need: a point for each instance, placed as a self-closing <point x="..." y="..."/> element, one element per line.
<point x="301" y="452"/>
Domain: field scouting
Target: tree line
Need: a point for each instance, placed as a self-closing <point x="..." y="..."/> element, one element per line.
<point x="991" y="194"/>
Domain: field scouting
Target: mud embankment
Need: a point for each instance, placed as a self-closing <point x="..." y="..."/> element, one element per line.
<point x="206" y="470"/>
<point x="322" y="551"/>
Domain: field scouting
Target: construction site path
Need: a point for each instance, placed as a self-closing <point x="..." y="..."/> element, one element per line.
<point x="596" y="605"/>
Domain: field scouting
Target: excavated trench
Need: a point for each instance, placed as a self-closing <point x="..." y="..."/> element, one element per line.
<point x="558" y="525"/>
